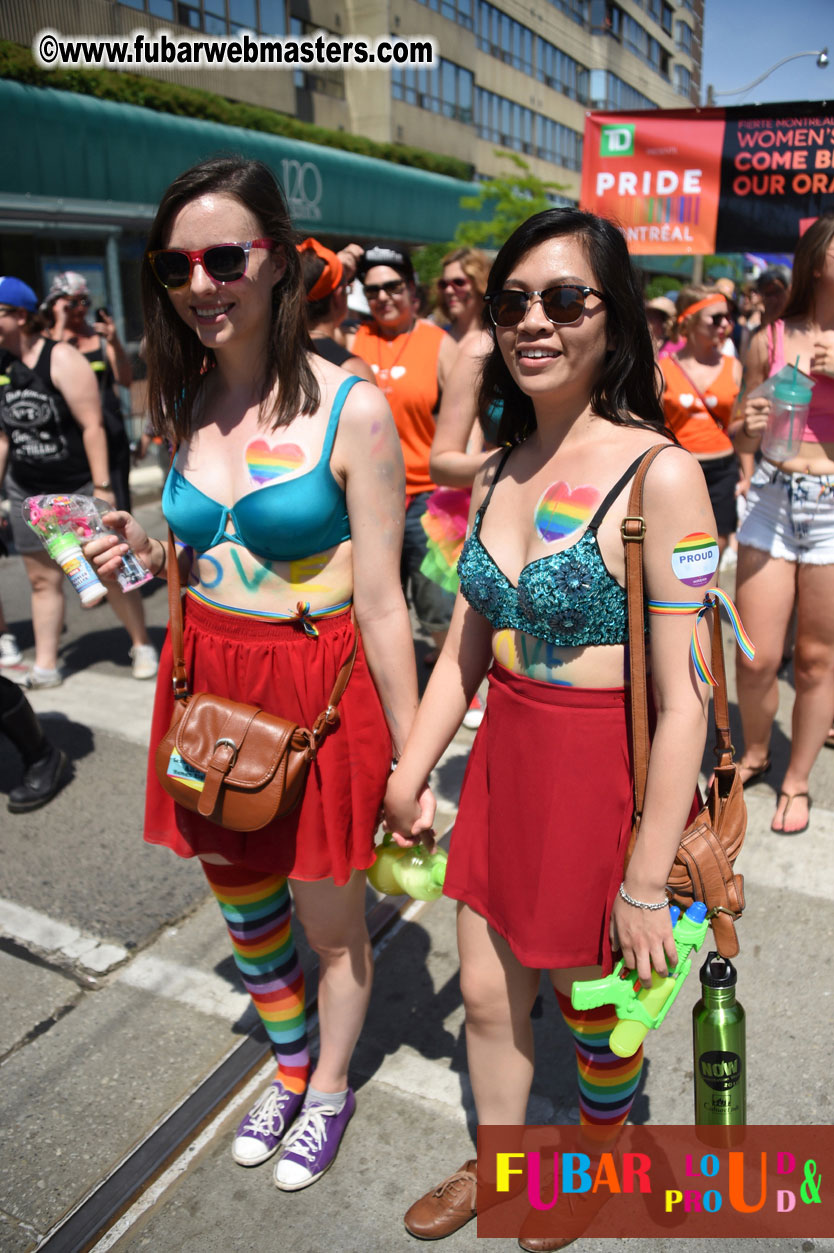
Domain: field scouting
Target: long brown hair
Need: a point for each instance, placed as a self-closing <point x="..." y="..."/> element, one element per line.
<point x="807" y="264"/>
<point x="177" y="361"/>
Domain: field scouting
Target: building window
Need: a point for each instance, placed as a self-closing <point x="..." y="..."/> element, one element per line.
<point x="501" y="37"/>
<point x="273" y="17"/>
<point x="683" y="81"/>
<point x="666" y="19"/>
<point x="606" y="19"/>
<point x="267" y="16"/>
<point x="445" y="88"/>
<point x="577" y="10"/>
<point x="610" y="92"/>
<point x="556" y="69"/>
<point x="242" y="15"/>
<point x="324" y="82"/>
<point x="511" y="125"/>
<point x="683" y="38"/>
<point x="459" y="11"/>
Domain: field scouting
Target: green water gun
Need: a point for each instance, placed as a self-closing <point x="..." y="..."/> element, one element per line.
<point x="640" y="1009"/>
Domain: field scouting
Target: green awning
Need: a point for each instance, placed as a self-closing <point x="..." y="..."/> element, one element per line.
<point x="63" y="147"/>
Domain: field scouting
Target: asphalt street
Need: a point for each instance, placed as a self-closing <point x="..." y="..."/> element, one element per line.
<point x="119" y="995"/>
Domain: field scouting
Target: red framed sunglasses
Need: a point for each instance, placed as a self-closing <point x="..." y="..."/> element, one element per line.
<point x="225" y="263"/>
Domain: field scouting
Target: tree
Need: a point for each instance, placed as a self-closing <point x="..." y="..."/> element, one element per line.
<point x="503" y="203"/>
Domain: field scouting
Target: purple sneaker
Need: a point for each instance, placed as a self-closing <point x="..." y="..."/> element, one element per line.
<point x="311" y="1147"/>
<point x="260" y="1133"/>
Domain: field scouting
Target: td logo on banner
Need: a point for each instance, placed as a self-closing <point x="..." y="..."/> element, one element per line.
<point x="617" y="141"/>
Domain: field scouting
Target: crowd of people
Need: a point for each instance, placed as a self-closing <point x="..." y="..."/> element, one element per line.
<point x="315" y="465"/>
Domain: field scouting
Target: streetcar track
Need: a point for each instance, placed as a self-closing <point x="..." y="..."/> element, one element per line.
<point x="89" y="1219"/>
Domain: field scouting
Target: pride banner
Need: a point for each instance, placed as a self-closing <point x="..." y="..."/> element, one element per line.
<point x="698" y="181"/>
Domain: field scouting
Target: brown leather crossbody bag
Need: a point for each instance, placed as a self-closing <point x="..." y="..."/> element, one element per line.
<point x="703" y="866"/>
<point x="233" y="763"/>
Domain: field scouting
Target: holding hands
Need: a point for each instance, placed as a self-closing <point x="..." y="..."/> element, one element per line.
<point x="408" y="813"/>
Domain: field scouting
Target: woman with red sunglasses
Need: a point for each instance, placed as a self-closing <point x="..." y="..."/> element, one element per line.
<point x="286" y="496"/>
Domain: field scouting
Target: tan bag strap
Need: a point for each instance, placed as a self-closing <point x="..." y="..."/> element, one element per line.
<point x="633" y="530"/>
<point x="180" y="677"/>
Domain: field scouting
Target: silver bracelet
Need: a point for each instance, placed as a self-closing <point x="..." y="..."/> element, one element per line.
<point x="629" y="900"/>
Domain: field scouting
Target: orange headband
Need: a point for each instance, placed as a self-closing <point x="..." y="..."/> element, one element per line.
<point x="331" y="275"/>
<point x="701" y="304"/>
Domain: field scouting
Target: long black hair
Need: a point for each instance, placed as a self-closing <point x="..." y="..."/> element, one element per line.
<point x="627" y="391"/>
<point x="177" y="361"/>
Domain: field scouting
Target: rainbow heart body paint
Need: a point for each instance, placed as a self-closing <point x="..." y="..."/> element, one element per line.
<point x="561" y="511"/>
<point x="695" y="559"/>
<point x="266" y="464"/>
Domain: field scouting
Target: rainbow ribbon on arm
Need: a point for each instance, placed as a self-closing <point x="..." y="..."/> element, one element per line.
<point x="713" y="599"/>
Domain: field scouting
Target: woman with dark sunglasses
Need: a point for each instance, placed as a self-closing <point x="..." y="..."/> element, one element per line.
<point x="538" y="849"/>
<point x="700" y="388"/>
<point x="459" y="291"/>
<point x="286" y="495"/>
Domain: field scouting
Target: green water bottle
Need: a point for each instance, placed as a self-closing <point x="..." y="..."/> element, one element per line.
<point x="719" y="1048"/>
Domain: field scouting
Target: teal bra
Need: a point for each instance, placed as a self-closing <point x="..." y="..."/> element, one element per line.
<point x="569" y="599"/>
<point x="285" y="521"/>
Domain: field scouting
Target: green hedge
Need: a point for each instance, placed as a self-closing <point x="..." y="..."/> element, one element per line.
<point x="17" y="63"/>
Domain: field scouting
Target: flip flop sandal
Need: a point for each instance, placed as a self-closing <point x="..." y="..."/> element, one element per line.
<point x="790" y="797"/>
<point x="829" y="739"/>
<point x="756" y="772"/>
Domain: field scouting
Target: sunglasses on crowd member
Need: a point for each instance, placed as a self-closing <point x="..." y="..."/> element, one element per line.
<point x="394" y="287"/>
<point x="459" y="283"/>
<point x="225" y="263"/>
<point x="718" y="318"/>
<point x="562" y="305"/>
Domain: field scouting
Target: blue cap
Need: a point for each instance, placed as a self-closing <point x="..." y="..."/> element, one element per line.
<point x="17" y="295"/>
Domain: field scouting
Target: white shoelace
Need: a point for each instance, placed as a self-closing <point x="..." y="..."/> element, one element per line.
<point x="307" y="1136"/>
<point x="261" y="1117"/>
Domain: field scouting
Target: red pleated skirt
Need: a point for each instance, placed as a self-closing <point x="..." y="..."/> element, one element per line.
<point x="276" y="666"/>
<point x="544" y="819"/>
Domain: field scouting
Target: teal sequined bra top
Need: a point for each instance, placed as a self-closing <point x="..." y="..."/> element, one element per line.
<point x="569" y="599"/>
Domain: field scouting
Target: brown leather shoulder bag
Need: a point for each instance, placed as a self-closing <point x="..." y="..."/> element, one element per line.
<point x="233" y="763"/>
<point x="703" y="866"/>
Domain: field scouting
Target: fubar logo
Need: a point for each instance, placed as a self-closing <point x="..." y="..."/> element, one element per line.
<point x="617" y="140"/>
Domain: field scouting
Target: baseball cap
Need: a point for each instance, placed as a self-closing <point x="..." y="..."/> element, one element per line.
<point x="381" y="254"/>
<point x="17" y="294"/>
<point x="70" y="283"/>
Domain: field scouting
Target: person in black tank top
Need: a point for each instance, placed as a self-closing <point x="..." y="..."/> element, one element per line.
<point x="52" y="440"/>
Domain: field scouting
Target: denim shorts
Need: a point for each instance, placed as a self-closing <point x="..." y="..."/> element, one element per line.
<point x="790" y="516"/>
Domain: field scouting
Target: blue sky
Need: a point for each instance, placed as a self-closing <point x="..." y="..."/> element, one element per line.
<point x="743" y="38"/>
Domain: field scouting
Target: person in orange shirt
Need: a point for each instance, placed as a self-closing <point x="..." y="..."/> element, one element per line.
<point x="700" y="387"/>
<point x="411" y="359"/>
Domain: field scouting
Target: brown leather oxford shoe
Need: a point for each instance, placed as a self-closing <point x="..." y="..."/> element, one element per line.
<point x="447" y="1208"/>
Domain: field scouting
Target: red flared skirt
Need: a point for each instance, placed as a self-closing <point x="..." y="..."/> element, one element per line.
<point x="276" y="666"/>
<point x="544" y="820"/>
